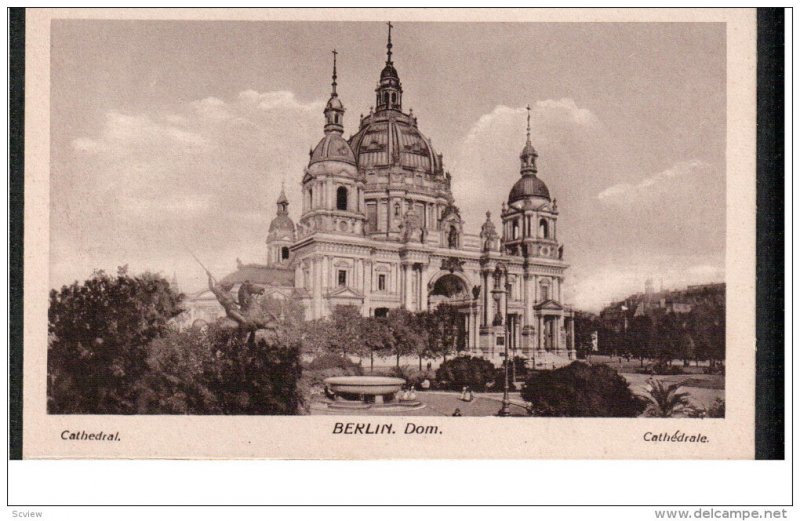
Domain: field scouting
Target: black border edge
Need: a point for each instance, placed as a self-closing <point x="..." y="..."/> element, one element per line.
<point x="16" y="185"/>
<point x="770" y="282"/>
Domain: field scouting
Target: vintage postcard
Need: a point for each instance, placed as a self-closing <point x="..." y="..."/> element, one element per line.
<point x="361" y="234"/>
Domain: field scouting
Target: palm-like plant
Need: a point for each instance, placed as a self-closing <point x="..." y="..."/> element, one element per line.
<point x="665" y="400"/>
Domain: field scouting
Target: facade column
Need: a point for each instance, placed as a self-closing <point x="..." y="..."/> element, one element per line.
<point x="526" y="313"/>
<point x="557" y="339"/>
<point x="316" y="278"/>
<point x="571" y="344"/>
<point x="540" y="335"/>
<point x="422" y="298"/>
<point x="402" y="284"/>
<point x="366" y="285"/>
<point x="485" y="294"/>
<point x="504" y="299"/>
<point x="408" y="288"/>
<point x="324" y="273"/>
<point x="473" y="330"/>
<point x="390" y="222"/>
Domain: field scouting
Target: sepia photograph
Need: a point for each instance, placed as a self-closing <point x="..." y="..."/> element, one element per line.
<point x="376" y="224"/>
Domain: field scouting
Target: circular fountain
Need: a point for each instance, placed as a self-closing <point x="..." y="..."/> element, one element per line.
<point x="366" y="392"/>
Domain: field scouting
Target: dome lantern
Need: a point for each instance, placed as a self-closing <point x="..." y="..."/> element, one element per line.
<point x="389" y="93"/>
<point x="334" y="110"/>
<point x="528" y="155"/>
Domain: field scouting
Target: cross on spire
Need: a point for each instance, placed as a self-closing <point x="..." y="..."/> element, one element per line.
<point x="333" y="85"/>
<point x="389" y="44"/>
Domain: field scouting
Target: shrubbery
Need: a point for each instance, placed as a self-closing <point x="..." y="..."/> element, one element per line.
<point x="413" y="377"/>
<point x="334" y="361"/>
<point x="581" y="390"/>
<point x="99" y="332"/>
<point x="111" y="350"/>
<point x="416" y="378"/>
<point x="469" y="371"/>
<point x="662" y="369"/>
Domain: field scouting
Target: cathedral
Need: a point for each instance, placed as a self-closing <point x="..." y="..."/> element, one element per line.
<point x="379" y="229"/>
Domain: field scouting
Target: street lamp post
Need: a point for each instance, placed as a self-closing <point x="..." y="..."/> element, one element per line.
<point x="505" y="410"/>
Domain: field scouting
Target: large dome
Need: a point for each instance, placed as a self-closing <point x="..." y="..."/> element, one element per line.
<point x="332" y="147"/>
<point x="390" y="137"/>
<point x="528" y="186"/>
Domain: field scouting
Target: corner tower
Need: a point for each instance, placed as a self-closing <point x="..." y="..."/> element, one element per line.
<point x="281" y="234"/>
<point x="333" y="200"/>
<point x="529" y="220"/>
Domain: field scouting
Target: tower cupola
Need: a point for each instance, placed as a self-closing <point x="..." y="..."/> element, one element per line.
<point x="389" y="93"/>
<point x="334" y="110"/>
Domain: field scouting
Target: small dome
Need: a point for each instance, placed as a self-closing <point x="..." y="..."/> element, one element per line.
<point x="333" y="147"/>
<point x="334" y="103"/>
<point x="281" y="222"/>
<point x="528" y="186"/>
<point x="528" y="150"/>
<point x="389" y="71"/>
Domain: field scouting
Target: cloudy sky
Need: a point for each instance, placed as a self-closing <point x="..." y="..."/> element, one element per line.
<point x="168" y="135"/>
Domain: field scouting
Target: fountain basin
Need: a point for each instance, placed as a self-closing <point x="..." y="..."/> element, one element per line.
<point x="364" y="385"/>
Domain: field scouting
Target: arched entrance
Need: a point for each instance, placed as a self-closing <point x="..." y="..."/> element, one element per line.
<point x="453" y="291"/>
<point x="448" y="287"/>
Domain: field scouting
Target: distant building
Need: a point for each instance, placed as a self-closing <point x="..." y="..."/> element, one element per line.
<point x="617" y="315"/>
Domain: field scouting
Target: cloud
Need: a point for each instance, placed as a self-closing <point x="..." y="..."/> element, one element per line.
<point x="565" y="135"/>
<point x="625" y="192"/>
<point x="84" y="145"/>
<point x="205" y="173"/>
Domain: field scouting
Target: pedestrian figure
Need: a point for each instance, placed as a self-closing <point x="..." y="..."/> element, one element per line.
<point x="457" y="412"/>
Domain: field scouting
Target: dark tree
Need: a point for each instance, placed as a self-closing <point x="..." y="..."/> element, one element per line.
<point x="707" y="323"/>
<point x="642" y="338"/>
<point x="581" y="390"/>
<point x="346" y="331"/>
<point x="260" y="379"/>
<point x="473" y="372"/>
<point x="585" y="325"/>
<point x="405" y="336"/>
<point x="98" y="336"/>
<point x="442" y="330"/>
<point x="376" y="336"/>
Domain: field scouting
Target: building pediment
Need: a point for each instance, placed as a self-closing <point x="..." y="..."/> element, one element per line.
<point x="548" y="305"/>
<point x="346" y="292"/>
